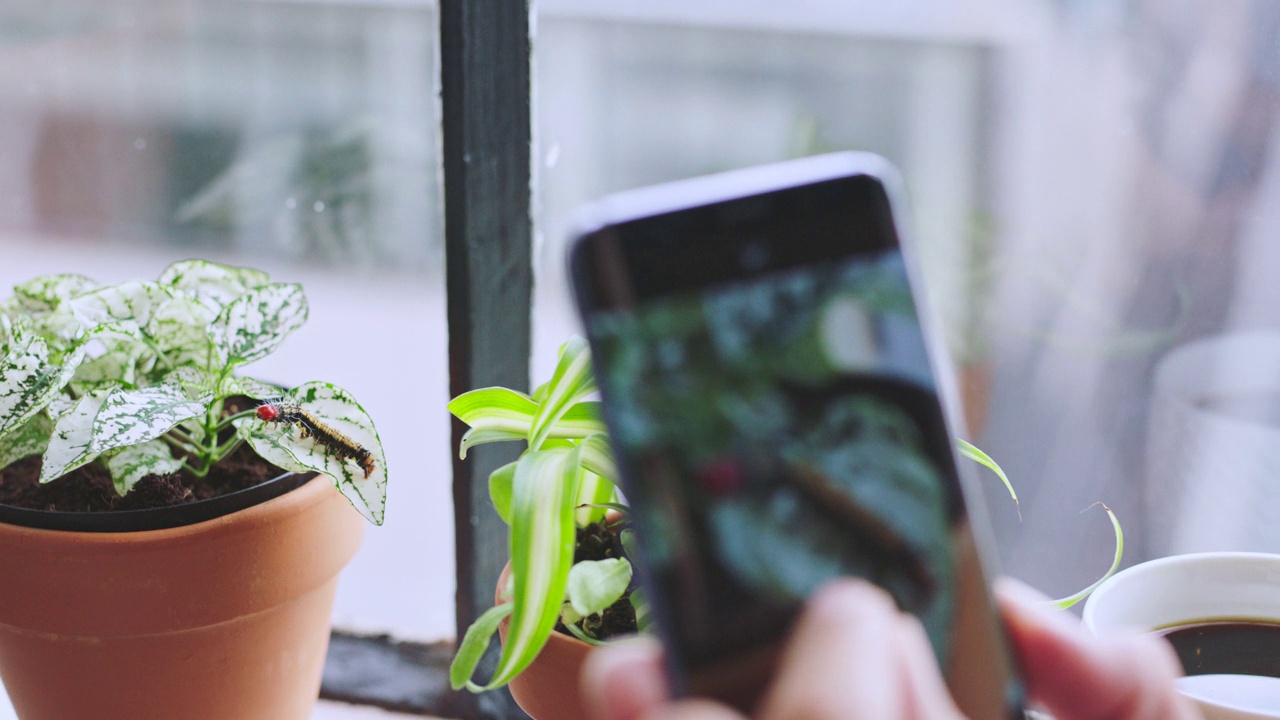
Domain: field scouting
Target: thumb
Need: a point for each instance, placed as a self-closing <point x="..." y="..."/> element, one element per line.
<point x="1079" y="676"/>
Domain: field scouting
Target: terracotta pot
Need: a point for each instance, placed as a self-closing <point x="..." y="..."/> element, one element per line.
<point x="226" y="619"/>
<point x="549" y="689"/>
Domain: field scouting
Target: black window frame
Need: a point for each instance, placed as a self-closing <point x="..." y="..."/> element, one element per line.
<point x="485" y="53"/>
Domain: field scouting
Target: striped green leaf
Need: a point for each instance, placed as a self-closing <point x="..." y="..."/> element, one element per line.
<point x="542" y="539"/>
<point x="338" y="411"/>
<point x="474" y="643"/>
<point x="497" y="414"/>
<point x="594" y="493"/>
<point x="30" y="439"/>
<point x="570" y="383"/>
<point x="256" y="323"/>
<point x="130" y="464"/>
<point x="972" y="452"/>
<point x="501" y="484"/>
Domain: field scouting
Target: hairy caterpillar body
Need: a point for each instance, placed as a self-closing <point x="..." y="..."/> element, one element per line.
<point x="290" y="412"/>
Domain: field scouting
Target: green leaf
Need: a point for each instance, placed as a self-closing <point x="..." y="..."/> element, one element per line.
<point x="215" y="286"/>
<point x="474" y="643"/>
<point x="972" y="452"/>
<point x="500" y="488"/>
<point x="196" y="382"/>
<point x="71" y="443"/>
<point x="593" y="493"/>
<point x="644" y="616"/>
<point x="595" y="585"/>
<point x="256" y="323"/>
<point x="131" y="464"/>
<point x="571" y="382"/>
<point x="542" y="539"/>
<point x="129" y="417"/>
<point x="1070" y="600"/>
<point x="30" y="439"/>
<point x="497" y="414"/>
<point x="338" y="411"/>
<point x="597" y="457"/>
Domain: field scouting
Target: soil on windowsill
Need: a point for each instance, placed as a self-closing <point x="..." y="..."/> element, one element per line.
<point x="600" y="541"/>
<point x="89" y="487"/>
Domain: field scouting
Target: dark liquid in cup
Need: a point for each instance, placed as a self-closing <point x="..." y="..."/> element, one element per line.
<point x="1227" y="647"/>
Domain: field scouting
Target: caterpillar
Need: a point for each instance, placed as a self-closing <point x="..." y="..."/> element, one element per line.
<point x="290" y="412"/>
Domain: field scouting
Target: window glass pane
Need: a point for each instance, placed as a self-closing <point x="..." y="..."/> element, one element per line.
<point x="297" y="137"/>
<point x="1091" y="187"/>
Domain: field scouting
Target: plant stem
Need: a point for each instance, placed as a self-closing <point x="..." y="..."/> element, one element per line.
<point x="227" y="450"/>
<point x="183" y="446"/>
<point x="232" y="418"/>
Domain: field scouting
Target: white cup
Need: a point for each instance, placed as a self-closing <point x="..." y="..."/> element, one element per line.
<point x="1193" y="588"/>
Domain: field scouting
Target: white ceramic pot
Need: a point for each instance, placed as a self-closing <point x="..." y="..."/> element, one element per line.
<point x="1193" y="588"/>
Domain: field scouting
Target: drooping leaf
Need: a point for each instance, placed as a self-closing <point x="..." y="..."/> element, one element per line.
<point x="542" y="538"/>
<point x="30" y="439"/>
<point x="71" y="443"/>
<point x="1070" y="600"/>
<point x="474" y="643"/>
<point x="215" y="286"/>
<point x="129" y="417"/>
<point x="130" y="464"/>
<point x="972" y="452"/>
<point x="334" y="409"/>
<point x="256" y="323"/>
<point x="595" y="585"/>
<point x="500" y="488"/>
<point x="571" y="382"/>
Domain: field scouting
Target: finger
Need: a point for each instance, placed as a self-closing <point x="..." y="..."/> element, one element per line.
<point x="625" y="680"/>
<point x="693" y="710"/>
<point x="927" y="694"/>
<point x="1081" y="677"/>
<point x="839" y="663"/>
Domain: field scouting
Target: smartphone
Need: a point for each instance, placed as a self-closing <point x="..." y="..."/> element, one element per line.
<point x="775" y="410"/>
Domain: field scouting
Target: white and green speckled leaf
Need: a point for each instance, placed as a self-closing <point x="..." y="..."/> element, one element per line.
<point x="130" y="464"/>
<point x="255" y="324"/>
<point x="249" y="387"/>
<point x="28" y="380"/>
<point x="129" y="417"/>
<point x="70" y="444"/>
<point x="132" y="304"/>
<point x="335" y="408"/>
<point x="268" y="442"/>
<point x="46" y="292"/>
<point x="215" y="286"/>
<point x="180" y="329"/>
<point x="30" y="439"/>
<point x="196" y="382"/>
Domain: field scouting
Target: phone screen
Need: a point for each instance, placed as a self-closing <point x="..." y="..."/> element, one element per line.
<point x="779" y="427"/>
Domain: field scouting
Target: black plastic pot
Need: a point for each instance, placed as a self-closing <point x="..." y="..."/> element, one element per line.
<point x="154" y="518"/>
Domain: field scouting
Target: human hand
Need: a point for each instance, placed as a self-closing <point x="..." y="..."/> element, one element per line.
<point x="850" y="624"/>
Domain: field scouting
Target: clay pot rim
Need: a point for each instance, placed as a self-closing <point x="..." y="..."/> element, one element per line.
<point x="312" y="490"/>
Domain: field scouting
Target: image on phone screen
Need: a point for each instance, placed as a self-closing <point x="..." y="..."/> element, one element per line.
<point x="781" y="430"/>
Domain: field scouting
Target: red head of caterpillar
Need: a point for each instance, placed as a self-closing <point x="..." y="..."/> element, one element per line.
<point x="290" y="412"/>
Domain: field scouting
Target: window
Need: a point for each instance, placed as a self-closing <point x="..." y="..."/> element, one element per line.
<point x="1092" y="190"/>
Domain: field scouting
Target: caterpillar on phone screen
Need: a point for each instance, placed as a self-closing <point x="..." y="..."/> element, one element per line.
<point x="290" y="412"/>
